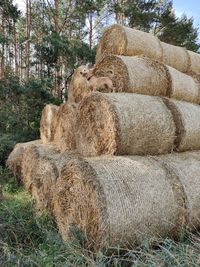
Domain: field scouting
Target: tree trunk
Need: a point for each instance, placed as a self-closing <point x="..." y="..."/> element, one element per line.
<point x="28" y="30"/>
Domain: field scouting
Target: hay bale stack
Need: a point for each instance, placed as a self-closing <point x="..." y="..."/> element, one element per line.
<point x="14" y="161"/>
<point x="64" y="121"/>
<point x="120" y="201"/>
<point x="30" y="162"/>
<point x="146" y="76"/>
<point x="120" y="124"/>
<point x="120" y="40"/>
<point x="47" y="129"/>
<point x="188" y="125"/>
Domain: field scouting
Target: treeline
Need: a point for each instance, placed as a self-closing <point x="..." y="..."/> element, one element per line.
<point x="52" y="37"/>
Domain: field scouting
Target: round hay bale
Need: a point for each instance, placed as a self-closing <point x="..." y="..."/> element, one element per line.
<point x="183" y="86"/>
<point x="64" y="137"/>
<point x="194" y="62"/>
<point x="187" y="119"/>
<point x="123" y="123"/>
<point x="45" y="176"/>
<point x="176" y="57"/>
<point x="186" y="166"/>
<point x="120" y="40"/>
<point x="118" y="201"/>
<point x="14" y="161"/>
<point x="30" y="162"/>
<point x="46" y="123"/>
<point x="134" y="74"/>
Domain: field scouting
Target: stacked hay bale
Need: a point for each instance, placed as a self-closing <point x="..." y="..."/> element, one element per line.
<point x="105" y="164"/>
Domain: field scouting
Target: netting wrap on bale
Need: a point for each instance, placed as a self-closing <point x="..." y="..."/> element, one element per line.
<point x="64" y="121"/>
<point x="146" y="76"/>
<point x="120" y="40"/>
<point x="47" y="129"/>
<point x="125" y="201"/>
<point x="123" y="123"/>
<point x="14" y="161"/>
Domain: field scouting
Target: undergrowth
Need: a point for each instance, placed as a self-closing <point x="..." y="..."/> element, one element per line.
<point x="28" y="240"/>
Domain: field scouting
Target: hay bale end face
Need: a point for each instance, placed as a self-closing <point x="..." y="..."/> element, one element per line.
<point x="118" y="201"/>
<point x="14" y="161"/>
<point x="120" y="124"/>
<point x="47" y="128"/>
<point x="64" y="138"/>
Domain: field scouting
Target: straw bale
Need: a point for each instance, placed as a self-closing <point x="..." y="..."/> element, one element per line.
<point x="134" y="74"/>
<point x="45" y="175"/>
<point x="14" y="161"/>
<point x="176" y="57"/>
<point x="186" y="166"/>
<point x="123" y="123"/>
<point x="120" y="40"/>
<point x="46" y="123"/>
<point x="64" y="138"/>
<point x="30" y="162"/>
<point x="187" y="119"/>
<point x="119" y="201"/>
<point x="194" y="62"/>
<point x="146" y="76"/>
<point x="183" y="86"/>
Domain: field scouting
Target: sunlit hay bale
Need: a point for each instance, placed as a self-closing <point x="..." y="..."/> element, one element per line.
<point x="186" y="117"/>
<point x="64" y="138"/>
<point x="30" y="162"/>
<point x="45" y="175"/>
<point x="119" y="201"/>
<point x="186" y="166"/>
<point x="120" y="124"/>
<point x="120" y="40"/>
<point x="46" y="123"/>
<point x="79" y="85"/>
<point x="14" y="161"/>
<point x="147" y="76"/>
<point x="134" y="74"/>
<point x="176" y="57"/>
<point x="194" y="62"/>
<point x="183" y="86"/>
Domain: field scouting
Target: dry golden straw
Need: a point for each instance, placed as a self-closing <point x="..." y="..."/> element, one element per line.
<point x="14" y="161"/>
<point x="146" y="76"/>
<point x="47" y="129"/>
<point x="120" y="40"/>
<point x="120" y="124"/>
<point x="127" y="200"/>
<point x="64" y="121"/>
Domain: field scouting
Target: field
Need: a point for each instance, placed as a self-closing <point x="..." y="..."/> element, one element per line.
<point x="30" y="240"/>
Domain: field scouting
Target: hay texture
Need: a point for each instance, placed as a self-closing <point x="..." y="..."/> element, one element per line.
<point x="123" y="123"/>
<point x="127" y="200"/>
<point x="79" y="85"/>
<point x="146" y="76"/>
<point x="187" y="121"/>
<point x="47" y="129"/>
<point x="14" y="161"/>
<point x="64" y="137"/>
<point x="120" y="40"/>
<point x="30" y="161"/>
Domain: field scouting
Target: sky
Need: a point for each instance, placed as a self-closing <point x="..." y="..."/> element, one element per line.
<point x="190" y="7"/>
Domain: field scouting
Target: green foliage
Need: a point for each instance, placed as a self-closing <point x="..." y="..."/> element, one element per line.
<point x="21" y="105"/>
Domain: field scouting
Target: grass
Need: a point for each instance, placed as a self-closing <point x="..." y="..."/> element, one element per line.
<point x="28" y="240"/>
